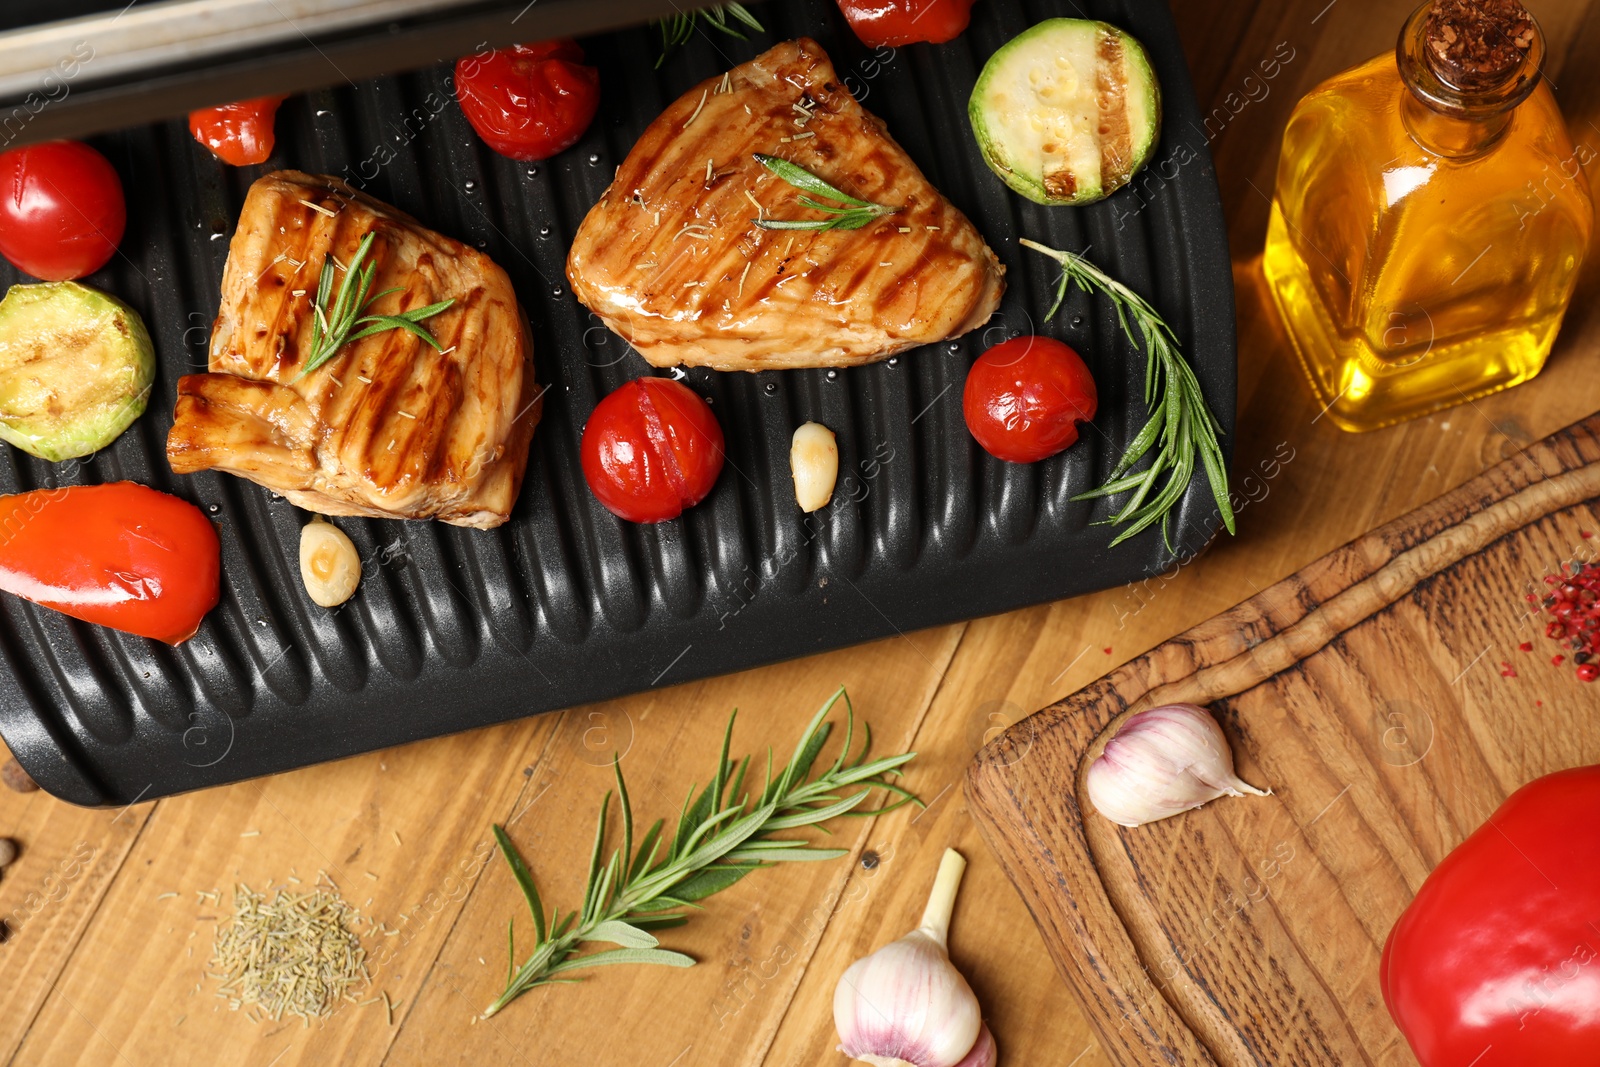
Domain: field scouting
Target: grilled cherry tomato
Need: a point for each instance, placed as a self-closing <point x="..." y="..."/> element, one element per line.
<point x="61" y="209"/>
<point x="529" y="101"/>
<point x="651" y="449"/>
<point x="119" y="555"/>
<point x="241" y="133"/>
<point x="897" y="22"/>
<point x="1025" y="397"/>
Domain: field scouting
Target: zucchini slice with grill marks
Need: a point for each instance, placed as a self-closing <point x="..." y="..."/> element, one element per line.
<point x="1068" y="111"/>
<point x="75" y="369"/>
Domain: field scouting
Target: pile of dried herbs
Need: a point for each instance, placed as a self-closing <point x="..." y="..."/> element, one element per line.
<point x="292" y="954"/>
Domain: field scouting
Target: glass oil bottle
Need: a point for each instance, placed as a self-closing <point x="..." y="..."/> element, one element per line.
<point x="1429" y="220"/>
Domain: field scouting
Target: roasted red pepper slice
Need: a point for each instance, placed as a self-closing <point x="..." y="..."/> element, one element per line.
<point x="1496" y="963"/>
<point x="241" y="133"/>
<point x="119" y="555"/>
<point x="897" y="22"/>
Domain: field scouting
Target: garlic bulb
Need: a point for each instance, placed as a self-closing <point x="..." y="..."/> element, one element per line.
<point x="906" y="1005"/>
<point x="1161" y="762"/>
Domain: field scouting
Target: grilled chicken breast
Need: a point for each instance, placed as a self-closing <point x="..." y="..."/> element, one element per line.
<point x="672" y="260"/>
<point x="388" y="427"/>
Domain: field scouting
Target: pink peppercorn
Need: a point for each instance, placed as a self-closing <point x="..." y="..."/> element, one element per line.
<point x="1574" y="604"/>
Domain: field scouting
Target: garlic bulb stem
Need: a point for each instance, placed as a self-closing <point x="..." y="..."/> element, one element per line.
<point x="942" y="901"/>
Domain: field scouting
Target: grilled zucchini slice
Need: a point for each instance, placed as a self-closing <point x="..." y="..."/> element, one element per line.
<point x="1068" y="111"/>
<point x="75" y="369"/>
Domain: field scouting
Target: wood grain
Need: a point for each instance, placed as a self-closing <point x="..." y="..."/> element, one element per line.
<point x="103" y="976"/>
<point x="1249" y="932"/>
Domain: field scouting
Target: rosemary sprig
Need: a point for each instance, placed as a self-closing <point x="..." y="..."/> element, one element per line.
<point x="677" y="30"/>
<point x="856" y="213"/>
<point x="331" y="325"/>
<point x="721" y="836"/>
<point x="1180" y="423"/>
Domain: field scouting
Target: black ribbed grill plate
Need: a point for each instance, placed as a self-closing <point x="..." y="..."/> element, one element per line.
<point x="453" y="629"/>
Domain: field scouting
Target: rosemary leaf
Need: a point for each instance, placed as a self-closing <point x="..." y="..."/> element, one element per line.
<point x="807" y="182"/>
<point x="742" y="13"/>
<point x="1180" y="423"/>
<point x="334" y="327"/>
<point x="623" y="955"/>
<point x="711" y="880"/>
<point x="657" y="922"/>
<point x="625" y="934"/>
<point x="853" y="216"/>
<point x="758" y="854"/>
<point x="524" y="877"/>
<point x="678" y="29"/>
<point x="722" y="835"/>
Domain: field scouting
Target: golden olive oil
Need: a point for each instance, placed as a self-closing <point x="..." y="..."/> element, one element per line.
<point x="1425" y="239"/>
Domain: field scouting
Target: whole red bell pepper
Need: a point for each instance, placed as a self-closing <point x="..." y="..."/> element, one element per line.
<point x="120" y="555"/>
<point x="1496" y="963"/>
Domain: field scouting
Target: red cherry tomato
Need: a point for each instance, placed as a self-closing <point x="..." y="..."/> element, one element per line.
<point x="120" y="555"/>
<point x="241" y="133"/>
<point x="897" y="22"/>
<point x="61" y="210"/>
<point x="651" y="449"/>
<point x="1025" y="397"/>
<point x="529" y="101"/>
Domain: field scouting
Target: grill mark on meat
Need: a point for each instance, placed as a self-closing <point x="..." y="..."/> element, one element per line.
<point x="445" y="465"/>
<point x="695" y="302"/>
<point x="322" y="440"/>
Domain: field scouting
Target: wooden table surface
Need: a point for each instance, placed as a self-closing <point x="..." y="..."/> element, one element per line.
<point x="103" y="966"/>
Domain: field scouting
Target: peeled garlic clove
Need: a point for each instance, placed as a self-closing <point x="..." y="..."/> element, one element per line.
<point x="814" y="462"/>
<point x="330" y="567"/>
<point x="1162" y="762"/>
<point x="906" y="1005"/>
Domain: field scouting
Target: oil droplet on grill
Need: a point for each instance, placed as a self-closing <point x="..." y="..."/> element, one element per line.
<point x="469" y="186"/>
<point x="544" y="231"/>
<point x="533" y="172"/>
<point x="893" y="361"/>
<point x="557" y="291"/>
<point x="832" y="376"/>
<point x="771" y="388"/>
<point x="594" y="159"/>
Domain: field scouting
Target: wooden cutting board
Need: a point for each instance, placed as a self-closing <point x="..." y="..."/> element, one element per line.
<point x="1384" y="695"/>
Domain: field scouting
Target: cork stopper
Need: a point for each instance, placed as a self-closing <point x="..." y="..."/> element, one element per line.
<point x="1477" y="44"/>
